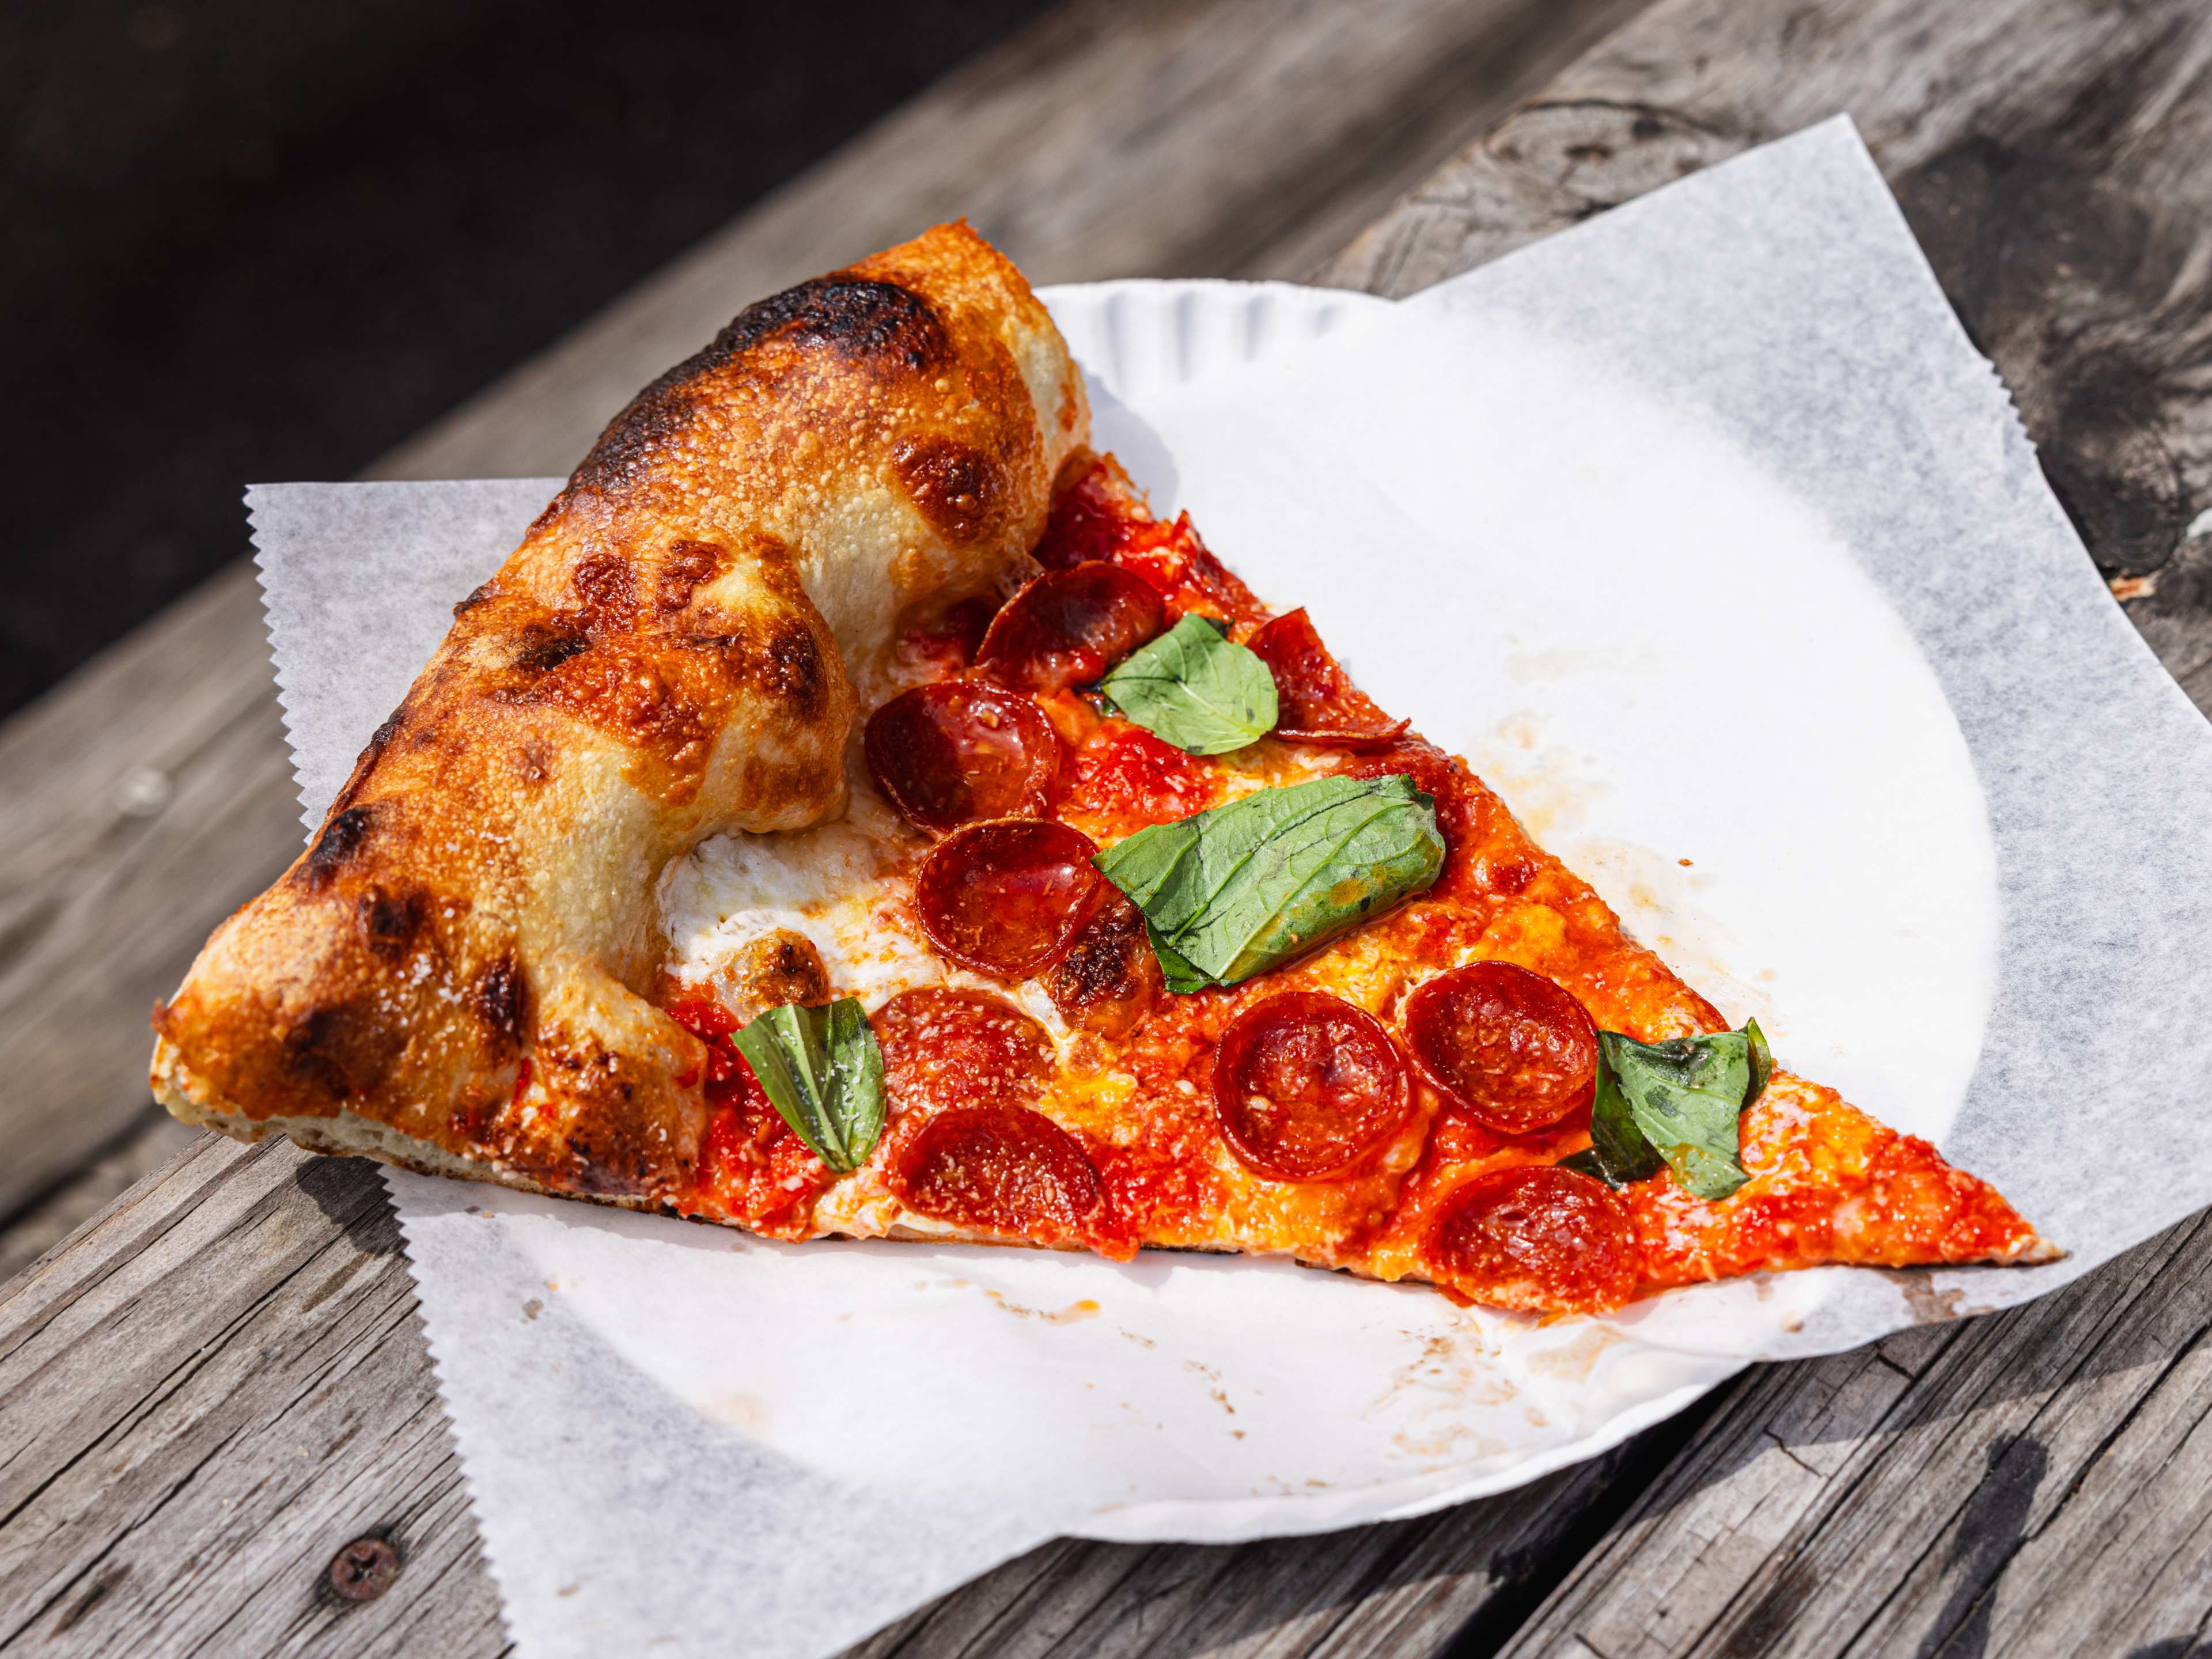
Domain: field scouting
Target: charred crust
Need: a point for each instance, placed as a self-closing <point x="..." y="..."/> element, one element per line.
<point x="495" y="998"/>
<point x="605" y="587"/>
<point x="541" y="647"/>
<point x="390" y="921"/>
<point x="863" y="320"/>
<point x="860" y="317"/>
<point x="343" y="836"/>
<point x="365" y="763"/>
<point x="795" y="671"/>
<point x="960" y="490"/>
<point x="488" y="590"/>
<point x="338" y="1051"/>
<point x="687" y="566"/>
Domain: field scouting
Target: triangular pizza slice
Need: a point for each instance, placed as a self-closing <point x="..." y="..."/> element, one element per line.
<point x="851" y="812"/>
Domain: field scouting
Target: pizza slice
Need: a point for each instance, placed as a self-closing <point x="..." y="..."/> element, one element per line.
<point x="851" y="812"/>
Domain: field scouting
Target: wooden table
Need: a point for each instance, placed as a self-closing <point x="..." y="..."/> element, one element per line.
<point x="217" y="1381"/>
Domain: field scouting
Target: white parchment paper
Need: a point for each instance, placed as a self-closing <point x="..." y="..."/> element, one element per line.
<point x="1714" y="479"/>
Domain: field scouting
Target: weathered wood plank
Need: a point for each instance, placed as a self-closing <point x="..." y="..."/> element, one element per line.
<point x="2039" y="1482"/>
<point x="149" y="794"/>
<point x="1407" y="1587"/>
<point x="150" y="1142"/>
<point x="216" y="1386"/>
<point x="145" y="800"/>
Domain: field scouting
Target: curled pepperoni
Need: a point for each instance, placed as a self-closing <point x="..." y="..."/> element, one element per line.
<point x="1068" y="627"/>
<point x="1002" y="1169"/>
<point x="1007" y="897"/>
<point x="950" y="753"/>
<point x="1320" y="704"/>
<point x="1089" y="519"/>
<point x="1109" y="976"/>
<point x="1508" y="1047"/>
<point x="944" y="1048"/>
<point x="1535" y="1236"/>
<point x="1306" y="1085"/>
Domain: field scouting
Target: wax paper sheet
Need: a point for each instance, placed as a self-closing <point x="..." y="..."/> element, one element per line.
<point x="1706" y="534"/>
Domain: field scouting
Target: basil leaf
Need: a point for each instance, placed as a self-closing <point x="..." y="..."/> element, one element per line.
<point x="1616" y="1143"/>
<point x="1234" y="892"/>
<point x="1677" y="1101"/>
<point x="1762" y="1062"/>
<point x="1194" y="688"/>
<point x="822" y="1069"/>
<point x="1180" y="976"/>
<point x="1588" y="1162"/>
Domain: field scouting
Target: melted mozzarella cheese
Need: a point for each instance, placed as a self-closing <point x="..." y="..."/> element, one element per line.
<point x="840" y="886"/>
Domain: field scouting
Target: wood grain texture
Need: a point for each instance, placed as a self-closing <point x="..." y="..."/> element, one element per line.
<point x="2035" y="1483"/>
<point x="214" y="1388"/>
<point x="149" y="795"/>
<point x="2051" y="157"/>
<point x="144" y="801"/>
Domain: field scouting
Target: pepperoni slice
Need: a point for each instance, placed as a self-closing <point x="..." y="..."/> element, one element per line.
<point x="950" y="753"/>
<point x="1509" y="1047"/>
<point x="1002" y="1169"/>
<point x="1068" y="627"/>
<point x="1536" y="1236"/>
<point x="944" y="1048"/>
<point x="1109" y="976"/>
<point x="1090" y="519"/>
<point x="1007" y="897"/>
<point x="1320" y="704"/>
<point x="1306" y="1085"/>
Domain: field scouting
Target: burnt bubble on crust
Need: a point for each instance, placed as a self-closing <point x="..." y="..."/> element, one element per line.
<point x="542" y="647"/>
<point x="861" y="318"/>
<point x="496" y="999"/>
<point x="390" y="920"/>
<point x="958" y="488"/>
<point x="341" y="839"/>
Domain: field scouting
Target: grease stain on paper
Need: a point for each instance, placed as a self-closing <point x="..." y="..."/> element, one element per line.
<point x="1073" y="1313"/>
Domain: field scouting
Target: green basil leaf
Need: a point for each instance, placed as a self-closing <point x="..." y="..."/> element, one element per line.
<point x="1677" y="1101"/>
<point x="1762" y="1062"/>
<point x="1194" y="688"/>
<point x="822" y="1069"/>
<point x="1616" y="1143"/>
<point x="1588" y="1162"/>
<point x="1234" y="892"/>
<point x="1179" y="974"/>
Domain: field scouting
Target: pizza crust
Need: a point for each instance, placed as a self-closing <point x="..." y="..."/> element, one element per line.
<point x="454" y="975"/>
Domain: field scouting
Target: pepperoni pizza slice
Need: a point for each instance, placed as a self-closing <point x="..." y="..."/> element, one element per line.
<point x="873" y="822"/>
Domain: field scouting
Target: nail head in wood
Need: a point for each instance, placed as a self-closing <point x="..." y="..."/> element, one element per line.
<point x="364" y="1569"/>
